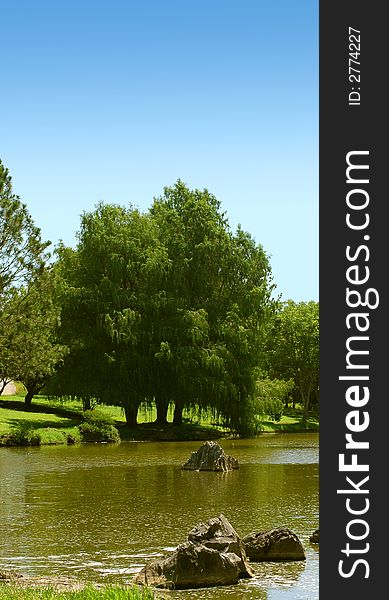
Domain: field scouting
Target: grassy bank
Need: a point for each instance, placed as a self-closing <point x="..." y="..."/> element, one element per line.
<point x="49" y="422"/>
<point x="291" y="423"/>
<point x="15" y="592"/>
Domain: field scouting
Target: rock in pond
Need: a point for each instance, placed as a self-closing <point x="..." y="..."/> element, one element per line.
<point x="275" y="544"/>
<point x="213" y="554"/>
<point x="210" y="457"/>
<point x="314" y="538"/>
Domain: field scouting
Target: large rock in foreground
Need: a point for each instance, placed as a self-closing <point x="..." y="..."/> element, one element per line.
<point x="219" y="534"/>
<point x="190" y="566"/>
<point x="275" y="544"/>
<point x="212" y="555"/>
<point x="210" y="457"/>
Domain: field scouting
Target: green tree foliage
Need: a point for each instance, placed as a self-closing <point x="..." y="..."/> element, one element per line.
<point x="31" y="353"/>
<point x="111" y="291"/>
<point x="271" y="396"/>
<point x="164" y="307"/>
<point x="97" y="427"/>
<point x="22" y="259"/>
<point x="218" y="297"/>
<point x="22" y="252"/>
<point x="294" y="348"/>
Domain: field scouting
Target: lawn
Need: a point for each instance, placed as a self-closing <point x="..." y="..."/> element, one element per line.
<point x="55" y="421"/>
<point x="291" y="422"/>
<point x="12" y="412"/>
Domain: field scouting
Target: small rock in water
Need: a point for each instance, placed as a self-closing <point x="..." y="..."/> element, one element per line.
<point x="210" y="457"/>
<point x="314" y="538"/>
<point x="275" y="544"/>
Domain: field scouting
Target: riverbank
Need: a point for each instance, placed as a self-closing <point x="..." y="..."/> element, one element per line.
<point x="15" y="586"/>
<point x="14" y="591"/>
<point x="100" y="512"/>
<point x="49" y="422"/>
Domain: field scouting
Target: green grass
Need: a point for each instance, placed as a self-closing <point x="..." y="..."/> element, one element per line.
<point x="55" y="422"/>
<point x="51" y="436"/>
<point x="291" y="422"/>
<point x="16" y="592"/>
<point x="50" y="424"/>
<point x="10" y="416"/>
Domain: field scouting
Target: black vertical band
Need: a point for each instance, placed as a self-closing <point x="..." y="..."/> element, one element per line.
<point x="354" y="163"/>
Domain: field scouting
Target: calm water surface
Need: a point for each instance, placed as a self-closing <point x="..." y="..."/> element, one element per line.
<point x="100" y="511"/>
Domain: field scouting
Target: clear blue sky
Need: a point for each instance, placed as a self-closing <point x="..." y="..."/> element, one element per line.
<point x="114" y="100"/>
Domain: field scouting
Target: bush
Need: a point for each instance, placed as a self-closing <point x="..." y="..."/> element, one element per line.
<point x="23" y="435"/>
<point x="98" y="427"/>
<point x="73" y="437"/>
<point x="97" y="418"/>
<point x="52" y="436"/>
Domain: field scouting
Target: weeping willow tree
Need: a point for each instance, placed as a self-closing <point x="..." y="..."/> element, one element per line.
<point x="111" y="288"/>
<point x="218" y="300"/>
<point x="164" y="308"/>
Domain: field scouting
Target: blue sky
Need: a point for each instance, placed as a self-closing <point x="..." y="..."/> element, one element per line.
<point x="114" y="100"/>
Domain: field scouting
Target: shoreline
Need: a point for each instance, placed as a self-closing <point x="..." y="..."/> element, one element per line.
<point x="162" y="436"/>
<point x="48" y="423"/>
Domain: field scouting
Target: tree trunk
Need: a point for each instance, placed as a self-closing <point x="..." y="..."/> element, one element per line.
<point x="306" y="400"/>
<point x="162" y="408"/>
<point x="86" y="405"/>
<point x="29" y="396"/>
<point x="3" y="383"/>
<point x="178" y="408"/>
<point x="131" y="412"/>
<point x="32" y="389"/>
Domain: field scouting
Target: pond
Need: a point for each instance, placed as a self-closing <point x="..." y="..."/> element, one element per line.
<point x="100" y="511"/>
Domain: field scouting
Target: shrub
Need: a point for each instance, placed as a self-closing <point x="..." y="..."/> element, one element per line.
<point x="51" y="436"/>
<point x="24" y="435"/>
<point x="97" y="418"/>
<point x="98" y="427"/>
<point x="73" y="437"/>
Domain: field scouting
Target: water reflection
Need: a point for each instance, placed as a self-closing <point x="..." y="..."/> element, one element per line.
<point x="102" y="511"/>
